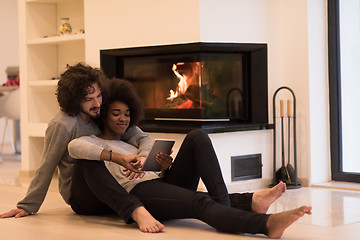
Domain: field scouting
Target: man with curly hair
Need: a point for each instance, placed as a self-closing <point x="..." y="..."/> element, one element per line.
<point x="79" y="94"/>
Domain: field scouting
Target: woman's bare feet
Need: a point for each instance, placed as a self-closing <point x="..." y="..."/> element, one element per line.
<point x="262" y="200"/>
<point x="277" y="223"/>
<point x="146" y="222"/>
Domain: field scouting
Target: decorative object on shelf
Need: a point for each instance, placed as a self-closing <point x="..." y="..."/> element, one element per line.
<point x="65" y="27"/>
<point x="286" y="173"/>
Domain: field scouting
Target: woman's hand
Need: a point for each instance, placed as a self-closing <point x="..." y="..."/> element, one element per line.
<point x="133" y="175"/>
<point x="164" y="160"/>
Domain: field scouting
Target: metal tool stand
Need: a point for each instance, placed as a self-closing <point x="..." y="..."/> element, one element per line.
<point x="289" y="183"/>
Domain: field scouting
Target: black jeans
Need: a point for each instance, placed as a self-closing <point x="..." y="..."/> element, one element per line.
<point x="175" y="196"/>
<point x="167" y="201"/>
<point x="95" y="191"/>
<point x="197" y="159"/>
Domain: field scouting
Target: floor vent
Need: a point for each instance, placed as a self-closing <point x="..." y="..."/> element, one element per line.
<point x="246" y="167"/>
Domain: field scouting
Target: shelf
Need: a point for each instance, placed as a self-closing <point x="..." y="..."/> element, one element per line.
<point x="57" y="39"/>
<point x="37" y="129"/>
<point x="44" y="56"/>
<point x="42" y="104"/>
<point x="44" y="20"/>
<point x="50" y="60"/>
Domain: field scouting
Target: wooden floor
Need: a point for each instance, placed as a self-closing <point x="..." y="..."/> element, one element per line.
<point x="336" y="215"/>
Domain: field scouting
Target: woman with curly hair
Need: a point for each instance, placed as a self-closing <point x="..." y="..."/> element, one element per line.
<point x="173" y="195"/>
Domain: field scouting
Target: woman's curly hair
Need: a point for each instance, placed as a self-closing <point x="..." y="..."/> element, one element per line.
<point x="123" y="91"/>
<point x="74" y="84"/>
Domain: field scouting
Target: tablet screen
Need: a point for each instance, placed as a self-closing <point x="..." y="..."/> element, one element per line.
<point x="160" y="145"/>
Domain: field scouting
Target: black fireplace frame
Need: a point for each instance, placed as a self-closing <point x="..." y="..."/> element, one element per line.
<point x="256" y="54"/>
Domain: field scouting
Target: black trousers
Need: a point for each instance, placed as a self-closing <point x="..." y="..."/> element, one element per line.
<point x="167" y="201"/>
<point x="175" y="196"/>
<point x="95" y="191"/>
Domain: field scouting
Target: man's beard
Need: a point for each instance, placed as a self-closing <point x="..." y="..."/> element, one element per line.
<point x="94" y="114"/>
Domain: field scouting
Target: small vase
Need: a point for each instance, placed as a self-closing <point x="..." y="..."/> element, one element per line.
<point x="65" y="27"/>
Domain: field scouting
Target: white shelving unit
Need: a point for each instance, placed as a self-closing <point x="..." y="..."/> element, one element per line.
<point x="44" y="55"/>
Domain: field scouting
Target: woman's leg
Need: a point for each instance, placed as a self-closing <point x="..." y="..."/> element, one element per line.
<point x="167" y="201"/>
<point x="197" y="158"/>
<point x="95" y="191"/>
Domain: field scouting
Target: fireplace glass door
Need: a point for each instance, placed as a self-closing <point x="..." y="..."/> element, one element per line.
<point x="207" y="86"/>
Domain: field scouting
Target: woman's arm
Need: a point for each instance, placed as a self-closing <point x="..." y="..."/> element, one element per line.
<point x="92" y="148"/>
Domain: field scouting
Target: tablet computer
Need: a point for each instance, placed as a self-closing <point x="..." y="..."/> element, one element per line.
<point x="160" y="145"/>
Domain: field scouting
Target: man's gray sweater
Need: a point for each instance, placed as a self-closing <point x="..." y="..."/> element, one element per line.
<point x="61" y="130"/>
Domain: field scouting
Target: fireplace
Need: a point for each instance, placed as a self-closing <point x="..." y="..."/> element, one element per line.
<point x="215" y="86"/>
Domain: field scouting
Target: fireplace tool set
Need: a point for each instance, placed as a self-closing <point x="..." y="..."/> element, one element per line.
<point x="286" y="173"/>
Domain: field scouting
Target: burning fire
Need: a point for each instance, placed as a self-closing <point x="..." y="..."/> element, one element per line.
<point x="187" y="92"/>
<point x="182" y="85"/>
<point x="172" y="95"/>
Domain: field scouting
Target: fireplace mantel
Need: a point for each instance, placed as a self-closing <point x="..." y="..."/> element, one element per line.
<point x="214" y="127"/>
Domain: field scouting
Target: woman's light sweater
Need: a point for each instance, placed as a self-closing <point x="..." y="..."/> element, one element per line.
<point x="90" y="147"/>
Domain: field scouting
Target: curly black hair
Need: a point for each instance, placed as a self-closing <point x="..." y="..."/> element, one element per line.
<point x="121" y="90"/>
<point x="73" y="86"/>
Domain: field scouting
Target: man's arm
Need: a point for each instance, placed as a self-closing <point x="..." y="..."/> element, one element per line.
<point x="85" y="147"/>
<point x="56" y="139"/>
<point x="138" y="138"/>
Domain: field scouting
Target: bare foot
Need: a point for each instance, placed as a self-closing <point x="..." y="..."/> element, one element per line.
<point x="277" y="223"/>
<point x="146" y="222"/>
<point x="262" y="200"/>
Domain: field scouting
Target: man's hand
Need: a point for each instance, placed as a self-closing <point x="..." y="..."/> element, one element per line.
<point x="131" y="162"/>
<point x="133" y="175"/>
<point x="17" y="213"/>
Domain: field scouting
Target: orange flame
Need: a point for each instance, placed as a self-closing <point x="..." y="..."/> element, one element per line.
<point x="182" y="85"/>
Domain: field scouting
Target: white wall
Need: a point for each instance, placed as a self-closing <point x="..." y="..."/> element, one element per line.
<point x="296" y="58"/>
<point x="123" y="23"/>
<point x="318" y="93"/>
<point x="9" y="49"/>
